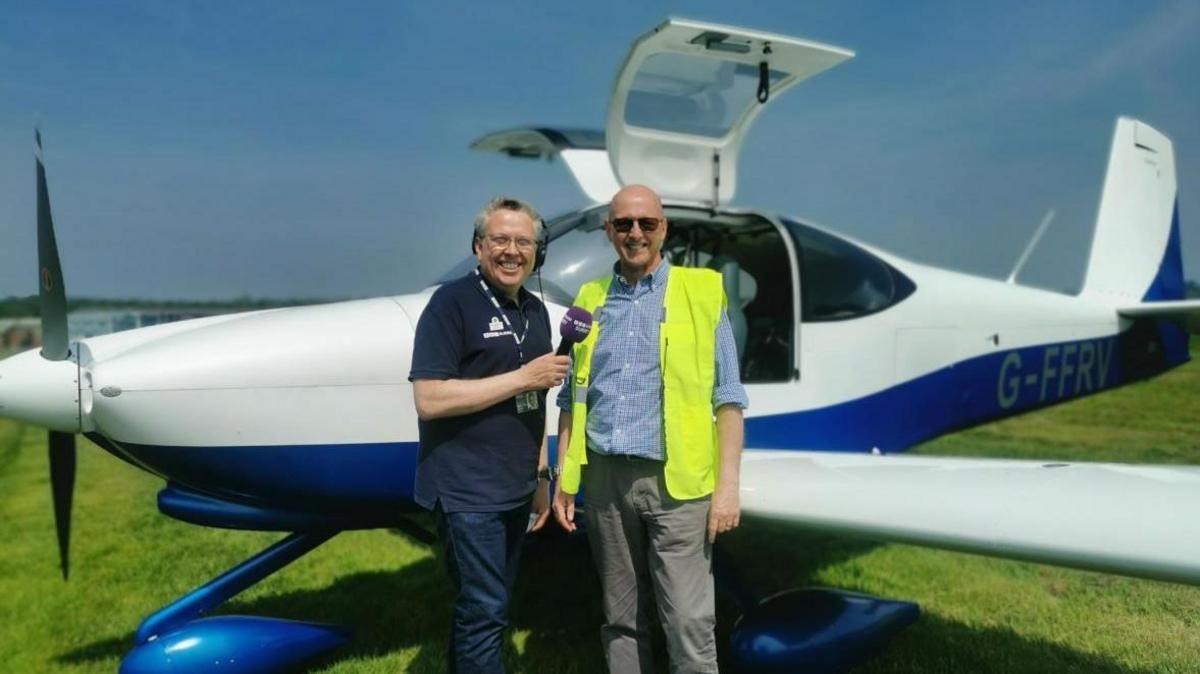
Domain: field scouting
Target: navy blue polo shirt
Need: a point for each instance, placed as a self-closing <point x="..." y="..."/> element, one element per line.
<point x="485" y="461"/>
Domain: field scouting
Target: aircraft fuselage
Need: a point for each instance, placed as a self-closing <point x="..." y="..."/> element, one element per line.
<point x="310" y="409"/>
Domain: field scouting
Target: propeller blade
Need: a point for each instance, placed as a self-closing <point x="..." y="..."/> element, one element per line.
<point x="54" y="347"/>
<point x="62" y="487"/>
<point x="50" y="282"/>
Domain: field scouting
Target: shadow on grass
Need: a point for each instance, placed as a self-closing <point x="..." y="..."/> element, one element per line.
<point x="116" y="647"/>
<point x="386" y="611"/>
<point x="557" y="602"/>
<point x="771" y="556"/>
<point x="934" y="644"/>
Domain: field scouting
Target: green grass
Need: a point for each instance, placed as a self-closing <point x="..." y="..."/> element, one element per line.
<point x="979" y="614"/>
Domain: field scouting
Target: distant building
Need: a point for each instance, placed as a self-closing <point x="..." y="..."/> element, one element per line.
<point x="19" y="334"/>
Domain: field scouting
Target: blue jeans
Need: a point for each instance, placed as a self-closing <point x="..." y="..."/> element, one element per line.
<point x="482" y="551"/>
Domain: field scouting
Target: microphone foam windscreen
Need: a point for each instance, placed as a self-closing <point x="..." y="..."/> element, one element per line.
<point x="575" y="325"/>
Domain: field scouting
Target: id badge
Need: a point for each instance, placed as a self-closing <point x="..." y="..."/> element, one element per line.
<point x="527" y="402"/>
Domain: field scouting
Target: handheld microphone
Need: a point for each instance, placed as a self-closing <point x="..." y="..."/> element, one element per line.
<point x="574" y="328"/>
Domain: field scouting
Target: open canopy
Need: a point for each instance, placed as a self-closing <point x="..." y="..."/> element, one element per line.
<point x="686" y="96"/>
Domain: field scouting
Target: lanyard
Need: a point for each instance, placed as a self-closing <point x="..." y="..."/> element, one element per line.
<point x="487" y="292"/>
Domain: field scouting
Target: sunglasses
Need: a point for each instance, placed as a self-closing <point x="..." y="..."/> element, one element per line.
<point x="624" y="225"/>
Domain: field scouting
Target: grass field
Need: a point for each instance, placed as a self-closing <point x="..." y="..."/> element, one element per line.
<point x="980" y="614"/>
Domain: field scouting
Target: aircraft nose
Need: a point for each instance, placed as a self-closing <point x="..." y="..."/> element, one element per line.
<point x="40" y="392"/>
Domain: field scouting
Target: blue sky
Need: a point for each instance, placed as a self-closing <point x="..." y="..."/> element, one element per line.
<point x="201" y="150"/>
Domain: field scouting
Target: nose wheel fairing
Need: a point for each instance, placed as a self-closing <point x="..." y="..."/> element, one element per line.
<point x="235" y="644"/>
<point x="177" y="639"/>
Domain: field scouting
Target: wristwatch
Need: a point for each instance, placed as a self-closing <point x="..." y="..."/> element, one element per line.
<point x="548" y="473"/>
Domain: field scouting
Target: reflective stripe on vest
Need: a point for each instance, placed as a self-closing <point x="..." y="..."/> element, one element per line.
<point x="687" y="349"/>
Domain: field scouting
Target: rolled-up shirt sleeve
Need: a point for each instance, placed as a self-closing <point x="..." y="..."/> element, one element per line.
<point x="727" y="384"/>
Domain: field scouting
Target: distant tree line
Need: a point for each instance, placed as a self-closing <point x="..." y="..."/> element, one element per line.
<point x="22" y="307"/>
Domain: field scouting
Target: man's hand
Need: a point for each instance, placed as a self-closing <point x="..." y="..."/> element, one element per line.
<point x="725" y="511"/>
<point x="564" y="508"/>
<point x="545" y="371"/>
<point x="540" y="505"/>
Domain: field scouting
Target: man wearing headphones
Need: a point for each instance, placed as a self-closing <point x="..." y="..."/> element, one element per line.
<point x="482" y="362"/>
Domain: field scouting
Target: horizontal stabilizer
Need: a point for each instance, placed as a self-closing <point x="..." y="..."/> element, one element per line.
<point x="537" y="142"/>
<point x="1135" y="520"/>
<point x="582" y="150"/>
<point x="1176" y="309"/>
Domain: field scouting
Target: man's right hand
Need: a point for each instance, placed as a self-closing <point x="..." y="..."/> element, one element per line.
<point x="545" y="372"/>
<point x="564" y="508"/>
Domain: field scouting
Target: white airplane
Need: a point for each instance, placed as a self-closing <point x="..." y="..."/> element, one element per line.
<point x="301" y="420"/>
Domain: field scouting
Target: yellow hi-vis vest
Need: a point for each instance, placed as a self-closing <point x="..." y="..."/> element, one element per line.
<point x="686" y="348"/>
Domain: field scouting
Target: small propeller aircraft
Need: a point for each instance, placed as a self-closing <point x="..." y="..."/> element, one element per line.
<point x="289" y="420"/>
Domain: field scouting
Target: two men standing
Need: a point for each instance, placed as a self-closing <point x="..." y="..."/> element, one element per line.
<point x="650" y="427"/>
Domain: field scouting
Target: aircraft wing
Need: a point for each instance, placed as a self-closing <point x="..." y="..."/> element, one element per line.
<point x="1136" y="520"/>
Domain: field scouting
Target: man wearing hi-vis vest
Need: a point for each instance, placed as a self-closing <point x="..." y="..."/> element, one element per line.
<point x="651" y="428"/>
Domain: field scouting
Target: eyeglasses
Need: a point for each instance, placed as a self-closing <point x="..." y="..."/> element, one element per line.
<point x="502" y="241"/>
<point x="624" y="225"/>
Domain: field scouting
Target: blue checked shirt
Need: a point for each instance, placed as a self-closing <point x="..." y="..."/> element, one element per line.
<point x="625" y="392"/>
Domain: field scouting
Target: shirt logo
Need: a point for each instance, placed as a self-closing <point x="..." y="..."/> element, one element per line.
<point x="496" y="329"/>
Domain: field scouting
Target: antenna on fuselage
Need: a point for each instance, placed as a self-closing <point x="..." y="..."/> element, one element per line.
<point x="1037" y="236"/>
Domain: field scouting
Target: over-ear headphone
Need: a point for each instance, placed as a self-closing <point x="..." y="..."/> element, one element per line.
<point x="543" y="242"/>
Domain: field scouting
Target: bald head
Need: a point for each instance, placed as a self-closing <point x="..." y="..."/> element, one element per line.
<point x="636" y="197"/>
<point x="637" y="228"/>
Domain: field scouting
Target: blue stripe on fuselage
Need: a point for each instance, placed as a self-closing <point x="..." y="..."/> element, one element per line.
<point x="340" y="478"/>
<point x="974" y="391"/>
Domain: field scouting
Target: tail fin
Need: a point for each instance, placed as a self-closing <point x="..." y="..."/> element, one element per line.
<point x="1135" y="250"/>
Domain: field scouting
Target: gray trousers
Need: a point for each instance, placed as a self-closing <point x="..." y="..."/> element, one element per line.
<point x="644" y="542"/>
